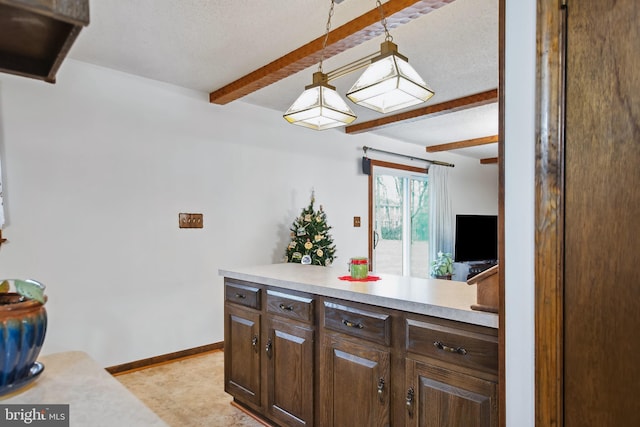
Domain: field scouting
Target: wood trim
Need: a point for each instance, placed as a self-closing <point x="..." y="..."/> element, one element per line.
<point x="489" y="161"/>
<point x="453" y="106"/>
<point x="353" y="33"/>
<point x="383" y="164"/>
<point x="137" y="365"/>
<point x="463" y="144"/>
<point x="250" y="413"/>
<point x="549" y="213"/>
<point x="502" y="389"/>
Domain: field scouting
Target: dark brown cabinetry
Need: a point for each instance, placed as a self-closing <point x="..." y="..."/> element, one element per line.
<point x="355" y="380"/>
<point x="303" y="360"/>
<point x="269" y="352"/>
<point x="242" y="339"/>
<point x="290" y="359"/>
<point x="451" y="374"/>
<point x="440" y="397"/>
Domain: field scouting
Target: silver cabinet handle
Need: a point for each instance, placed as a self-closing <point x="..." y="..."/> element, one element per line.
<point x="380" y="389"/>
<point x="268" y="348"/>
<point x="254" y="343"/>
<point x="351" y="324"/>
<point x="458" y="350"/>
<point x="409" y="401"/>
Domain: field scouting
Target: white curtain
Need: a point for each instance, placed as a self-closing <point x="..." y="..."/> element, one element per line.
<point x="1" y="200"/>
<point x="440" y="217"/>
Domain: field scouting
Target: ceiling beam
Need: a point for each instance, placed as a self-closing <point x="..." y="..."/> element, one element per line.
<point x="355" y="32"/>
<point x="489" y="161"/>
<point x="455" y="105"/>
<point x="463" y="144"/>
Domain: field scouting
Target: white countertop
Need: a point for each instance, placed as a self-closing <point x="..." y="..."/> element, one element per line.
<point x="94" y="397"/>
<point x="446" y="299"/>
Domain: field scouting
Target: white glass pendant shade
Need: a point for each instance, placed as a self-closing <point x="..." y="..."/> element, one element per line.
<point x="389" y="83"/>
<point x="319" y="107"/>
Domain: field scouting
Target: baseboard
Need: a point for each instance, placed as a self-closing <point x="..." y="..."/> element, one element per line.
<point x="162" y="359"/>
<point x="248" y="412"/>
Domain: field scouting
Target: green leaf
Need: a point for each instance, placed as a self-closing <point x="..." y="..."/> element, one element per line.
<point x="30" y="289"/>
<point x="4" y="286"/>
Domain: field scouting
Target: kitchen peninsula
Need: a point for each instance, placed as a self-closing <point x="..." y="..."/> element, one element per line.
<point x="303" y="347"/>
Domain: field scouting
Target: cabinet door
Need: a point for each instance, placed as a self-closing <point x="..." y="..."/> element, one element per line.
<point x="290" y="369"/>
<point x="438" y="397"/>
<point x="354" y="383"/>
<point x="242" y="354"/>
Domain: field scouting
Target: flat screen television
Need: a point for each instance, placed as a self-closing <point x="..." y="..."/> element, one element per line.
<point x="476" y="238"/>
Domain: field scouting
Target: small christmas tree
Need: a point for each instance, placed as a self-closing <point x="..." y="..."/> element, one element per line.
<point x="311" y="242"/>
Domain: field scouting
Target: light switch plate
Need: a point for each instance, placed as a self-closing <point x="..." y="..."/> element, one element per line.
<point x="356" y="221"/>
<point x="190" y="220"/>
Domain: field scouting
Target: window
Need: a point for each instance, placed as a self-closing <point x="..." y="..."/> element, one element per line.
<point x="399" y="226"/>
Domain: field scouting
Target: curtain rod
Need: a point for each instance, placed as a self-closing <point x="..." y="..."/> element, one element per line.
<point x="433" y="162"/>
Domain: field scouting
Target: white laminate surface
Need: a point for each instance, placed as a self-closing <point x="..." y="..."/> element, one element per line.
<point x="447" y="299"/>
<point x="94" y="397"/>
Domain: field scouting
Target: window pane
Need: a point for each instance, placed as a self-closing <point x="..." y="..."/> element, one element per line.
<point x="419" y="228"/>
<point x="401" y="230"/>
<point x="388" y="224"/>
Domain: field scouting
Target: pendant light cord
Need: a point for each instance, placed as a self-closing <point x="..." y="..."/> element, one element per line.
<point x="383" y="21"/>
<point x="326" y="34"/>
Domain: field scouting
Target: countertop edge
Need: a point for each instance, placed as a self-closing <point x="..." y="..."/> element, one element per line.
<point x="474" y="317"/>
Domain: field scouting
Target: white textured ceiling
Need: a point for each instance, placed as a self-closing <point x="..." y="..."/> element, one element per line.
<point x="206" y="44"/>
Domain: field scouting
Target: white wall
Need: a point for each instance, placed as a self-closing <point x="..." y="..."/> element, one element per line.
<point x="96" y="169"/>
<point x="520" y="67"/>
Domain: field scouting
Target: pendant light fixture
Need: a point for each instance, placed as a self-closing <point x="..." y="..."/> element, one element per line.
<point x="389" y="83"/>
<point x="320" y="107"/>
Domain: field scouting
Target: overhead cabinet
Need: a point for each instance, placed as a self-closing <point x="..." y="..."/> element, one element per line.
<point x="36" y="35"/>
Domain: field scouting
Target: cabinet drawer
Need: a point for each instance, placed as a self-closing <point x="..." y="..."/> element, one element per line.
<point x="450" y="344"/>
<point x="246" y="295"/>
<point x="359" y="323"/>
<point x="291" y="306"/>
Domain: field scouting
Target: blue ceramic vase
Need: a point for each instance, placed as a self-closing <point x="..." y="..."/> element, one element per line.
<point x="23" y="324"/>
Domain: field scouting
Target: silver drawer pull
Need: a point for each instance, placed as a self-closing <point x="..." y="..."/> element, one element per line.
<point x="285" y="307"/>
<point x="351" y="324"/>
<point x="241" y="296"/>
<point x="458" y="350"/>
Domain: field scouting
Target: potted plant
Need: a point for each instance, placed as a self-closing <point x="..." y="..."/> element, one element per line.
<point x="23" y="324"/>
<point x="442" y="267"/>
